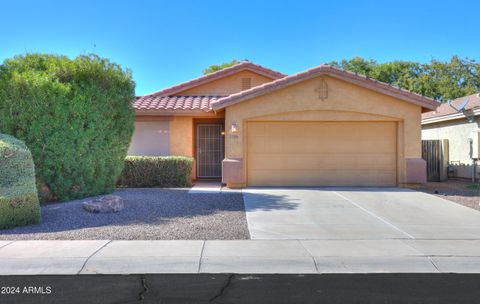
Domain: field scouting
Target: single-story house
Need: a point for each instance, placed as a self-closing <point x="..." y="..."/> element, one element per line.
<point x="251" y="126"/>
<point x="457" y="125"/>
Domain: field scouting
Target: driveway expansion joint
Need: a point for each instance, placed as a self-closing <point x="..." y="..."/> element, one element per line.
<point x="375" y="215"/>
<point x="95" y="252"/>
<point x="201" y="256"/>
<point x="5" y="245"/>
<point x="433" y="263"/>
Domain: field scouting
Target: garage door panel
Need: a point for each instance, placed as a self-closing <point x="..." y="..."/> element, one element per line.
<point x="368" y="145"/>
<point x="257" y="129"/>
<point x="332" y="144"/>
<point x="322" y="161"/>
<point x="290" y="129"/>
<point x="256" y="144"/>
<point x="308" y="144"/>
<point x="320" y="178"/>
<point x="321" y="153"/>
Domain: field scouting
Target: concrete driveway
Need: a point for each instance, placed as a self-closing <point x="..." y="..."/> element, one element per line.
<point x="356" y="214"/>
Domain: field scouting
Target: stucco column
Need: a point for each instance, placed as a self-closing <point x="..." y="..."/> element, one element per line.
<point x="415" y="165"/>
<point x="233" y="166"/>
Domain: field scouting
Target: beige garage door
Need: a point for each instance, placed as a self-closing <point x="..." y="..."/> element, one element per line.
<point x="321" y="154"/>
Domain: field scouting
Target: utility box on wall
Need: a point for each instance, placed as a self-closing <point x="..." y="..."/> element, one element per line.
<point x="475" y="143"/>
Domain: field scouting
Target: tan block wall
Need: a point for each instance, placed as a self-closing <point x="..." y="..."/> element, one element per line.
<point x="346" y="102"/>
<point x="226" y="86"/>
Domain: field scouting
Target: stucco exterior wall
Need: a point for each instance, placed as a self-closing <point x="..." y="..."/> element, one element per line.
<point x="181" y="138"/>
<point x="345" y="102"/>
<point x="457" y="132"/>
<point x="227" y="85"/>
<point x="150" y="138"/>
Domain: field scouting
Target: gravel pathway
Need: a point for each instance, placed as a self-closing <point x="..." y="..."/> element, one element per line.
<point x="453" y="190"/>
<point x="149" y="214"/>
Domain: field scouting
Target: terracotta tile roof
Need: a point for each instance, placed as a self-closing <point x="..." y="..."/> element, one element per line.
<point x="219" y="74"/>
<point x="192" y="103"/>
<point x="325" y="69"/>
<point x="446" y="109"/>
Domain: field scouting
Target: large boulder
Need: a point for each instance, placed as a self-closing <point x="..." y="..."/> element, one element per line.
<point x="104" y="204"/>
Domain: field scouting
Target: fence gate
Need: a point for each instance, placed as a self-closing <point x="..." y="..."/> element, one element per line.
<point x="432" y="153"/>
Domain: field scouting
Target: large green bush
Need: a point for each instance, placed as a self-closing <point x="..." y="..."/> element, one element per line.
<point x="18" y="194"/>
<point x="74" y="115"/>
<point x="156" y="171"/>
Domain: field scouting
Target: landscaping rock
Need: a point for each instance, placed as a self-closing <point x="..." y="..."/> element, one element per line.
<point x="149" y="214"/>
<point x="104" y="204"/>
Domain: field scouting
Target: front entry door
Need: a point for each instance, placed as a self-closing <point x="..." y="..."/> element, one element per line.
<point x="210" y="150"/>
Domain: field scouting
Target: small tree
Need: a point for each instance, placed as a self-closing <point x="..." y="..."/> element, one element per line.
<point x="75" y="116"/>
<point x="218" y="67"/>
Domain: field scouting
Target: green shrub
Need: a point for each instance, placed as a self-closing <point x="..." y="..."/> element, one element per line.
<point x="75" y="116"/>
<point x="156" y="171"/>
<point x="18" y="194"/>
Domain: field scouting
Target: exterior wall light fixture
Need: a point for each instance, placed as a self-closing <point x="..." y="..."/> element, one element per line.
<point x="234" y="128"/>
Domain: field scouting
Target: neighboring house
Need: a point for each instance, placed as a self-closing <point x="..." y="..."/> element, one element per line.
<point x="461" y="129"/>
<point x="249" y="125"/>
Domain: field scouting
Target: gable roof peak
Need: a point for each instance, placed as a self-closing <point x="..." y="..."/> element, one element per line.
<point x="243" y="65"/>
<point x="326" y="69"/>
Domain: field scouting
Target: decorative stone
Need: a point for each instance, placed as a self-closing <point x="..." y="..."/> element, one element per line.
<point x="104" y="204"/>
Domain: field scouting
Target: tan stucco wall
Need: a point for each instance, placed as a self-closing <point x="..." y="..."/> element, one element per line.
<point x="181" y="136"/>
<point x="457" y="132"/>
<point x="346" y="102"/>
<point x="227" y="85"/>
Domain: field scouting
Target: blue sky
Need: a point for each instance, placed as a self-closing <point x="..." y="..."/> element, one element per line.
<point x="167" y="42"/>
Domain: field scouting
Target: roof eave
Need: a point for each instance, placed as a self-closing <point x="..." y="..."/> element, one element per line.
<point x="448" y="117"/>
<point x="175" y="112"/>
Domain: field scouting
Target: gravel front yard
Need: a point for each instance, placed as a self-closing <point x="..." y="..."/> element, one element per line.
<point x="149" y="214"/>
<point x="453" y="190"/>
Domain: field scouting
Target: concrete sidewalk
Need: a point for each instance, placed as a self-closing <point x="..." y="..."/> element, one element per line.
<point x="241" y="256"/>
